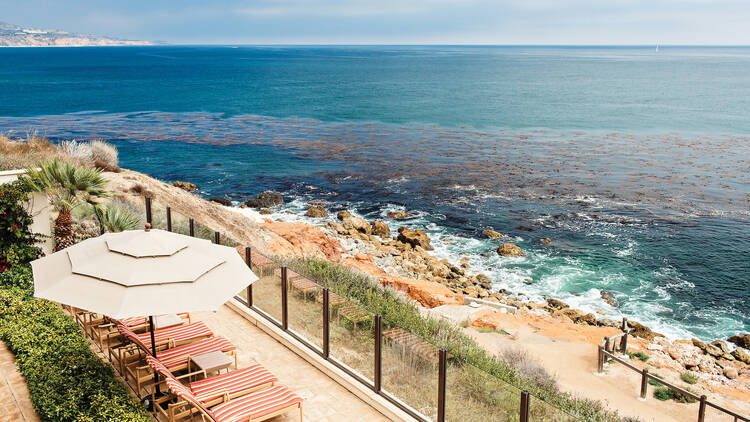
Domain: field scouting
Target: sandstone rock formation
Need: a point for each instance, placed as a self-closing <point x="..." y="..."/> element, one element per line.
<point x="222" y="201"/>
<point x="381" y="229"/>
<point x="398" y="215"/>
<point x="492" y="234"/>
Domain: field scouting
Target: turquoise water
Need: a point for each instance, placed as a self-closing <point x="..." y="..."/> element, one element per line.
<point x="635" y="163"/>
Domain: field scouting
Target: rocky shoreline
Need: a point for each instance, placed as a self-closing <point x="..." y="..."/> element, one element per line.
<point x="406" y="254"/>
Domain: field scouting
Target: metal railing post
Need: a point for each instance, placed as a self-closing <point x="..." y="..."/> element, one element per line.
<point x="378" y="337"/>
<point x="217" y="238"/>
<point x="192" y="227"/>
<point x="523" y="415"/>
<point x="148" y="210"/>
<point x="442" y="375"/>
<point x="600" y="362"/>
<point x="702" y="409"/>
<point x="326" y="323"/>
<point x="644" y="382"/>
<point x="284" y="319"/>
<point x="169" y="219"/>
<point x="249" y="262"/>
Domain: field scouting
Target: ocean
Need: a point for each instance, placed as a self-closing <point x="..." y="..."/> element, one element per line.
<point x="635" y="163"/>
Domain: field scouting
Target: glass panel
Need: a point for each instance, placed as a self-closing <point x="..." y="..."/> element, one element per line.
<point x="305" y="307"/>
<point x="351" y="336"/>
<point x="540" y="411"/>
<point x="267" y="290"/>
<point x="475" y="395"/>
<point x="410" y="369"/>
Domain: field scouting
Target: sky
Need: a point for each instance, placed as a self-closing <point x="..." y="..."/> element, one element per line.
<point x="586" y="22"/>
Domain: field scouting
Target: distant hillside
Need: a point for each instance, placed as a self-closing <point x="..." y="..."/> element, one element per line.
<point x="16" y="36"/>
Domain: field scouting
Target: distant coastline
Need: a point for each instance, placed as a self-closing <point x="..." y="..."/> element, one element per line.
<point x="16" y="36"/>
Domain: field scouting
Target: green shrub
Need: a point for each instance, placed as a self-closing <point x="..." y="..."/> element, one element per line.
<point x="688" y="378"/>
<point x="652" y="381"/>
<point x="666" y="393"/>
<point x="66" y="380"/>
<point x="17" y="242"/>
<point x="640" y="355"/>
<point x="394" y="310"/>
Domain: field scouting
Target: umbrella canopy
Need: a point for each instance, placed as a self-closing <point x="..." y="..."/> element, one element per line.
<point x="142" y="272"/>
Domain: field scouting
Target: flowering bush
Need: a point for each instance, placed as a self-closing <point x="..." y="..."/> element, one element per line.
<point x="17" y="242"/>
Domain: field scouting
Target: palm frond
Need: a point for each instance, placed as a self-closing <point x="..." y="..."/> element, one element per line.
<point x="67" y="184"/>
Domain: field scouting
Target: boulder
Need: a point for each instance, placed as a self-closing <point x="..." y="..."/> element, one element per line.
<point x="414" y="238"/>
<point x="741" y="340"/>
<point x="381" y="229"/>
<point x="358" y="224"/>
<point x="608" y="297"/>
<point x="509" y="249"/>
<point x="316" y="211"/>
<point x="567" y="313"/>
<point x="731" y="373"/>
<point x="556" y="304"/>
<point x="639" y="330"/>
<point x="190" y="187"/>
<point x="341" y="215"/>
<point x="337" y="227"/>
<point x="492" y="234"/>
<point x="398" y="215"/>
<point x="222" y="201"/>
<point x="266" y="199"/>
<point x="484" y="281"/>
<point x="699" y="344"/>
<point x="741" y="355"/>
<point x="713" y="351"/>
<point x="589" y="319"/>
<point x="265" y="211"/>
<point x="547" y="240"/>
<point x="723" y="346"/>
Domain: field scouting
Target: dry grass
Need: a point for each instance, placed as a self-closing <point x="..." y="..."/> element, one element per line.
<point x="18" y="153"/>
<point x="24" y="152"/>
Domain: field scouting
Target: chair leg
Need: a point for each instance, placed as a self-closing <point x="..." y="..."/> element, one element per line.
<point x="300" y="412"/>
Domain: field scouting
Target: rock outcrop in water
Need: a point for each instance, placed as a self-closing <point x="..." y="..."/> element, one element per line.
<point x="222" y="201"/>
<point x="492" y="234"/>
<point x="741" y="340"/>
<point x="186" y="186"/>
<point x="316" y="211"/>
<point x="509" y="249"/>
<point x="266" y="199"/>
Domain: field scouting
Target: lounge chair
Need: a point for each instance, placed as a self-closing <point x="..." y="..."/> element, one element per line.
<point x="254" y="407"/>
<point x="176" y="358"/>
<point x="212" y="390"/>
<point x="105" y="332"/>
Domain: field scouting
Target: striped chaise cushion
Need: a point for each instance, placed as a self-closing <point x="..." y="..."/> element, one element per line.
<point x="179" y="355"/>
<point x="159" y="367"/>
<point x="128" y="334"/>
<point x="232" y="382"/>
<point x="182" y="392"/>
<point x="177" y="333"/>
<point x="256" y="405"/>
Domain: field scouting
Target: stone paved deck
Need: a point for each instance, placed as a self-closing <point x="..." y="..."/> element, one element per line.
<point x="15" y="405"/>
<point x="325" y="400"/>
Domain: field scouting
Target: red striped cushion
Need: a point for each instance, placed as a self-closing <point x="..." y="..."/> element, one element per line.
<point x="128" y="334"/>
<point x="159" y="367"/>
<point x="177" y="333"/>
<point x="232" y="382"/>
<point x="182" y="392"/>
<point x="132" y="321"/>
<point x="179" y="355"/>
<point x="256" y="405"/>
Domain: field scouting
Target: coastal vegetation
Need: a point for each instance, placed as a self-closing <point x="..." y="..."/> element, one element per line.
<point x="17" y="241"/>
<point x="67" y="381"/>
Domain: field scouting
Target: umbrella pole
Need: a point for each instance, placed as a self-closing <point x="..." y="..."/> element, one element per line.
<point x="153" y="351"/>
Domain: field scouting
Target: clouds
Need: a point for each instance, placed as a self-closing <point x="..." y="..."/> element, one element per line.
<point x="397" y="21"/>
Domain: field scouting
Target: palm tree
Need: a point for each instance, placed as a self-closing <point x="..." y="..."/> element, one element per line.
<point x="68" y="186"/>
<point x="115" y="218"/>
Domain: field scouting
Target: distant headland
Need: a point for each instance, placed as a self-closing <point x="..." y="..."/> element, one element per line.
<point x="16" y="36"/>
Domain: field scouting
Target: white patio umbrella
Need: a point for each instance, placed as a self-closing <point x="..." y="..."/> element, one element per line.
<point x="142" y="273"/>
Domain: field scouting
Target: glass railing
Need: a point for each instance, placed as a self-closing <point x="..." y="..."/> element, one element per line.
<point x="406" y="369"/>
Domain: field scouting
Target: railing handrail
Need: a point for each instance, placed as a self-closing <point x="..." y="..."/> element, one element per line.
<point x="646" y="376"/>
